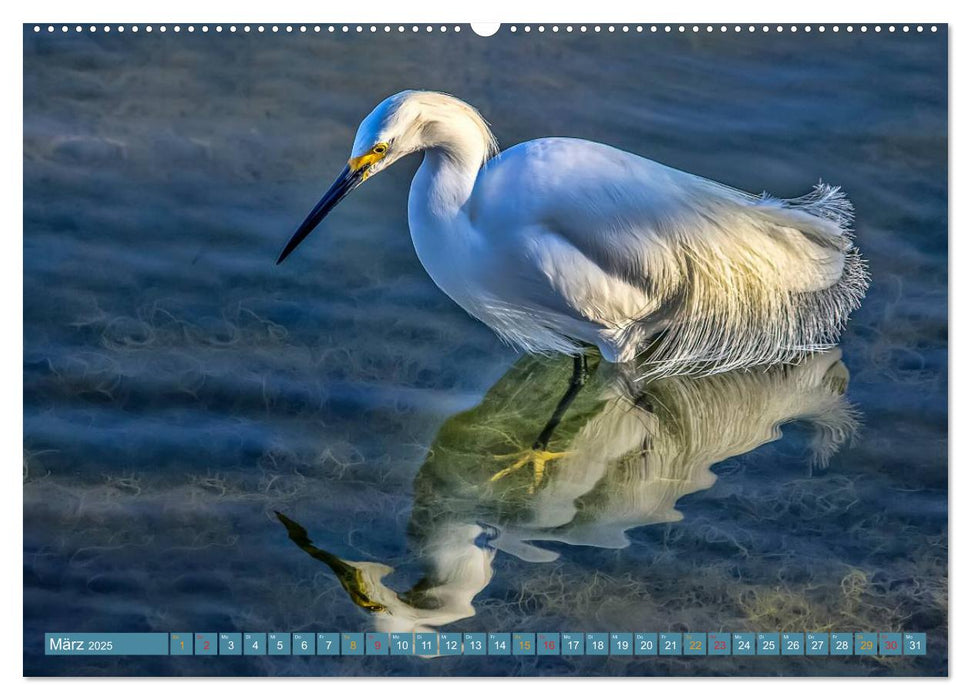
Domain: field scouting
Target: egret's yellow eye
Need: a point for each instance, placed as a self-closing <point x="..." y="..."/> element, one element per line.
<point x="380" y="149"/>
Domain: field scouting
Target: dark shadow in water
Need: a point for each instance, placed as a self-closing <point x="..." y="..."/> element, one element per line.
<point x="622" y="455"/>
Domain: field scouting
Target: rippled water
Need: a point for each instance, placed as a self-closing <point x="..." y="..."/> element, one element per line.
<point x="180" y="389"/>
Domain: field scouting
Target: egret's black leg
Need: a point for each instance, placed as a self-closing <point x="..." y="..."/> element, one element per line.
<point x="577" y="381"/>
<point x="538" y="456"/>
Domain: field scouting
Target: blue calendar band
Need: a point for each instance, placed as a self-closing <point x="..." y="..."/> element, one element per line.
<point x="483" y="644"/>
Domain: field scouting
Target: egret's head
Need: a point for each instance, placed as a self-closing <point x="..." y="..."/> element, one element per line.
<point x="404" y="123"/>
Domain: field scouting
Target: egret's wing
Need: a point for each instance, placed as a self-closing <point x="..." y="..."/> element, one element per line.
<point x="634" y="217"/>
<point x="741" y="278"/>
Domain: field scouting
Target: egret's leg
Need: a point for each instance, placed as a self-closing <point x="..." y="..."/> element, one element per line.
<point x="538" y="455"/>
<point x="577" y="381"/>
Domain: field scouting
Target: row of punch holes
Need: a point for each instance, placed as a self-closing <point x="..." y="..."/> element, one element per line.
<point x="415" y="28"/>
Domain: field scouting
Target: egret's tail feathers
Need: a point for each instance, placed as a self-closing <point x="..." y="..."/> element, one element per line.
<point x="826" y="202"/>
<point x="780" y="284"/>
<point x="805" y="239"/>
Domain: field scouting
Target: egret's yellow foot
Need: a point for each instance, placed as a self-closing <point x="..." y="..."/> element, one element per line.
<point x="537" y="458"/>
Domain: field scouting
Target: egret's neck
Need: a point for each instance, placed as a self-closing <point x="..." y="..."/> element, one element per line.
<point x="438" y="218"/>
<point x="455" y="149"/>
<point x="442" y="186"/>
<point x="438" y="205"/>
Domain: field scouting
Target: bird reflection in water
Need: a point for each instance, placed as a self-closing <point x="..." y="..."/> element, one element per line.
<point x="620" y="456"/>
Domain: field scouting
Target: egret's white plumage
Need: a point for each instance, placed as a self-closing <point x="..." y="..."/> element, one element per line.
<point x="558" y="241"/>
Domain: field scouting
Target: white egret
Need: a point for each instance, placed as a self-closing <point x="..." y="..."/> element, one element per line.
<point x="558" y="242"/>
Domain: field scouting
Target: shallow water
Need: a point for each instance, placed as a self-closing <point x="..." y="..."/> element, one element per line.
<point x="179" y="389"/>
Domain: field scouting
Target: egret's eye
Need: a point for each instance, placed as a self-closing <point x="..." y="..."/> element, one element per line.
<point x="380" y="149"/>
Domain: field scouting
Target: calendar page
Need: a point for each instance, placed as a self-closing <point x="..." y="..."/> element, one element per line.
<point x="512" y="350"/>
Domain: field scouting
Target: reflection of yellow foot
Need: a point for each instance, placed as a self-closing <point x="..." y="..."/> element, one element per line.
<point x="537" y="458"/>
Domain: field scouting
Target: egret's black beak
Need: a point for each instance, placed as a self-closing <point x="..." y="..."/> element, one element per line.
<point x="345" y="182"/>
